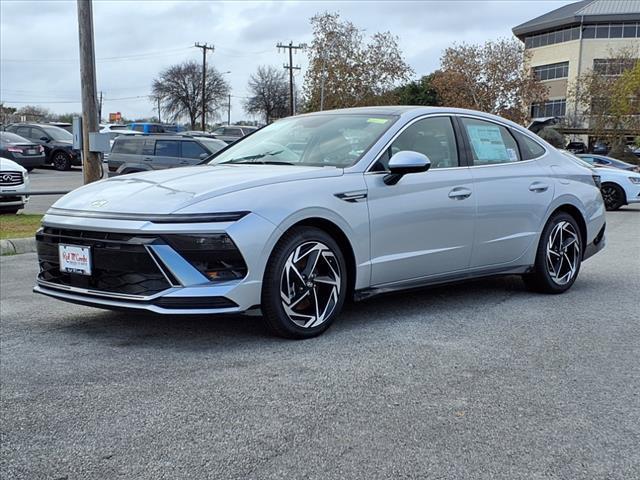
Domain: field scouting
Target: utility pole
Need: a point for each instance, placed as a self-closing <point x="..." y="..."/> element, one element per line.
<point x="204" y="48"/>
<point x="92" y="164"/>
<point x="291" y="47"/>
<point x="229" y="111"/>
<point x="159" y="121"/>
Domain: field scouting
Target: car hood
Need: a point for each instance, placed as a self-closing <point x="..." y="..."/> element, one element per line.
<point x="167" y="191"/>
<point x="10" y="165"/>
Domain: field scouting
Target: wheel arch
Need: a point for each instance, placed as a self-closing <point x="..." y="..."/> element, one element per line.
<point x="577" y="216"/>
<point x="620" y="187"/>
<point x="340" y="237"/>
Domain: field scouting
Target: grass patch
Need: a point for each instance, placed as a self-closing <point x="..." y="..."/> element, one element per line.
<point x="19" y="226"/>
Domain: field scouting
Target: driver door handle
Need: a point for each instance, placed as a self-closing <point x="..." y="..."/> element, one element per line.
<point x="460" y="193"/>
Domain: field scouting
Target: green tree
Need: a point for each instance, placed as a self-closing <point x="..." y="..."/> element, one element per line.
<point x="419" y="92"/>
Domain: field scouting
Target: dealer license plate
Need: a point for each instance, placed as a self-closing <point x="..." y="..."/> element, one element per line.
<point x="75" y="259"/>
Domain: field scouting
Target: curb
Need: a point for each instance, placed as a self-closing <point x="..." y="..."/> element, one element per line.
<point x="14" y="246"/>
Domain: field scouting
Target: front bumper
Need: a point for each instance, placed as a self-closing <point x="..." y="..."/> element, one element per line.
<point x="163" y="281"/>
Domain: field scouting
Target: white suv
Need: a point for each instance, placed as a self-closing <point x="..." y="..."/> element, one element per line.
<point x="13" y="179"/>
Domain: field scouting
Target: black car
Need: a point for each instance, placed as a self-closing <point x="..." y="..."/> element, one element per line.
<point x="231" y="133"/>
<point x="139" y="153"/>
<point x="577" y="147"/>
<point x="25" y="153"/>
<point x="57" y="143"/>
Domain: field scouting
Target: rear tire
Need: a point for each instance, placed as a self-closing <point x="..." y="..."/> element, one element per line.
<point x="304" y="285"/>
<point x="558" y="257"/>
<point x="613" y="196"/>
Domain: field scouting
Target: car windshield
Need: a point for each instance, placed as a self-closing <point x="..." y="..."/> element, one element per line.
<point x="211" y="144"/>
<point x="58" y="133"/>
<point x="8" y="137"/>
<point x="335" y="140"/>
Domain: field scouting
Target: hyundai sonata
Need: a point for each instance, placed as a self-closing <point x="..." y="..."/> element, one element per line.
<point x="313" y="210"/>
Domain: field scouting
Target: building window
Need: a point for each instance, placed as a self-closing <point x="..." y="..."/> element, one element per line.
<point x="613" y="66"/>
<point x="611" y="30"/>
<point x="552" y="108"/>
<point x="552" y="71"/>
<point x="550" y="38"/>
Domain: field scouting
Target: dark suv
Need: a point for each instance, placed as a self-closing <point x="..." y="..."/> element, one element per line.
<point x="57" y="143"/>
<point x="139" y="153"/>
<point x="232" y="133"/>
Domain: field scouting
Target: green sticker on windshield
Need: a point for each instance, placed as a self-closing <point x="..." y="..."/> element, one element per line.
<point x="377" y="120"/>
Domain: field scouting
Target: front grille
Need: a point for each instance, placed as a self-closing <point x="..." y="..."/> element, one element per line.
<point x="120" y="262"/>
<point x="10" y="179"/>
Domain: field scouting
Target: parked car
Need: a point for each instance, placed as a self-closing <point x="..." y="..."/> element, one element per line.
<point x="64" y="125"/>
<point x="13" y="179"/>
<point x="381" y="199"/>
<point x="618" y="187"/>
<point x="600" y="148"/>
<point x="146" y="127"/>
<point x="139" y="153"/>
<point x="232" y="133"/>
<point x="113" y="134"/>
<point x="604" y="161"/>
<point x="22" y="151"/>
<point x="577" y="147"/>
<point x="57" y="143"/>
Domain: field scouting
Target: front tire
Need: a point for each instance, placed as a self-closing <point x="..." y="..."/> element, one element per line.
<point x="612" y="195"/>
<point x="61" y="161"/>
<point x="304" y="285"/>
<point x="558" y="257"/>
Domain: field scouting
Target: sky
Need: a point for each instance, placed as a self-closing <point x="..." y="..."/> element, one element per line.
<point x="135" y="40"/>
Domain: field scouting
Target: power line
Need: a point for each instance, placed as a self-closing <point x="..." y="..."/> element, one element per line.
<point x="139" y="56"/>
<point x="291" y="47"/>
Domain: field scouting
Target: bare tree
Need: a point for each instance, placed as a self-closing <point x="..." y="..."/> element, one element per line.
<point x="35" y="112"/>
<point x="493" y="78"/>
<point x="268" y="94"/>
<point x="347" y="72"/>
<point x="179" y="88"/>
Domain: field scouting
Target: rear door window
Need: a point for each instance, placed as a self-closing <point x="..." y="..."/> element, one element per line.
<point x="491" y="144"/>
<point x="529" y="148"/>
<point x="127" y="146"/>
<point x="192" y="150"/>
<point x="24" y="132"/>
<point x="167" y="148"/>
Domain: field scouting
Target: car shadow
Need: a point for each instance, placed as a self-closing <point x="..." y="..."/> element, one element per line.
<point x="210" y="333"/>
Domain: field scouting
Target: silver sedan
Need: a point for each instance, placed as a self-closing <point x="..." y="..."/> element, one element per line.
<point x="317" y="209"/>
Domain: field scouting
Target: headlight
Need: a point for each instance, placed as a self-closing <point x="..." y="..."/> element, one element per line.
<point x="635" y="180"/>
<point x="214" y="255"/>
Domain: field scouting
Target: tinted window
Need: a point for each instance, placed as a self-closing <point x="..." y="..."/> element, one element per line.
<point x="156" y="129"/>
<point x="8" y="137"/>
<point x="433" y="137"/>
<point x="167" y="148"/>
<point x="126" y="145"/>
<point x="148" y="146"/>
<point x="234" y="132"/>
<point x="490" y="143"/>
<point x="37" y="133"/>
<point x="192" y="150"/>
<point x="58" y="133"/>
<point x="24" y="132"/>
<point x="138" y="128"/>
<point x="529" y="148"/>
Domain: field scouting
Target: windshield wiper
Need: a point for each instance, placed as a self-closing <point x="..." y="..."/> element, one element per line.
<point x="250" y="158"/>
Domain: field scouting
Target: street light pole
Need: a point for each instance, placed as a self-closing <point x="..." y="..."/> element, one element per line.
<point x="229" y="111"/>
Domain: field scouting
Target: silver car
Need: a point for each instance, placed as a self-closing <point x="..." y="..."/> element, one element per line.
<point x="316" y="209"/>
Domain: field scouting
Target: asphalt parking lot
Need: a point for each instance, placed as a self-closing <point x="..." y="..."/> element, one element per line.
<point x="47" y="178"/>
<point x="484" y="380"/>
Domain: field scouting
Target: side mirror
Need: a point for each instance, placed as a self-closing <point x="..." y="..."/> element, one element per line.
<point x="405" y="162"/>
<point x="204" y="155"/>
<point x="44" y="139"/>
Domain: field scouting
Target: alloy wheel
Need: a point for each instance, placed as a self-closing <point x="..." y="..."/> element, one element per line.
<point x="563" y="253"/>
<point x="610" y="195"/>
<point x="60" y="161"/>
<point x="310" y="284"/>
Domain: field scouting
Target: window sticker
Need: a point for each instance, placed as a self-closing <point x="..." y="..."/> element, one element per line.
<point x="513" y="156"/>
<point x="487" y="143"/>
<point x="377" y="120"/>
